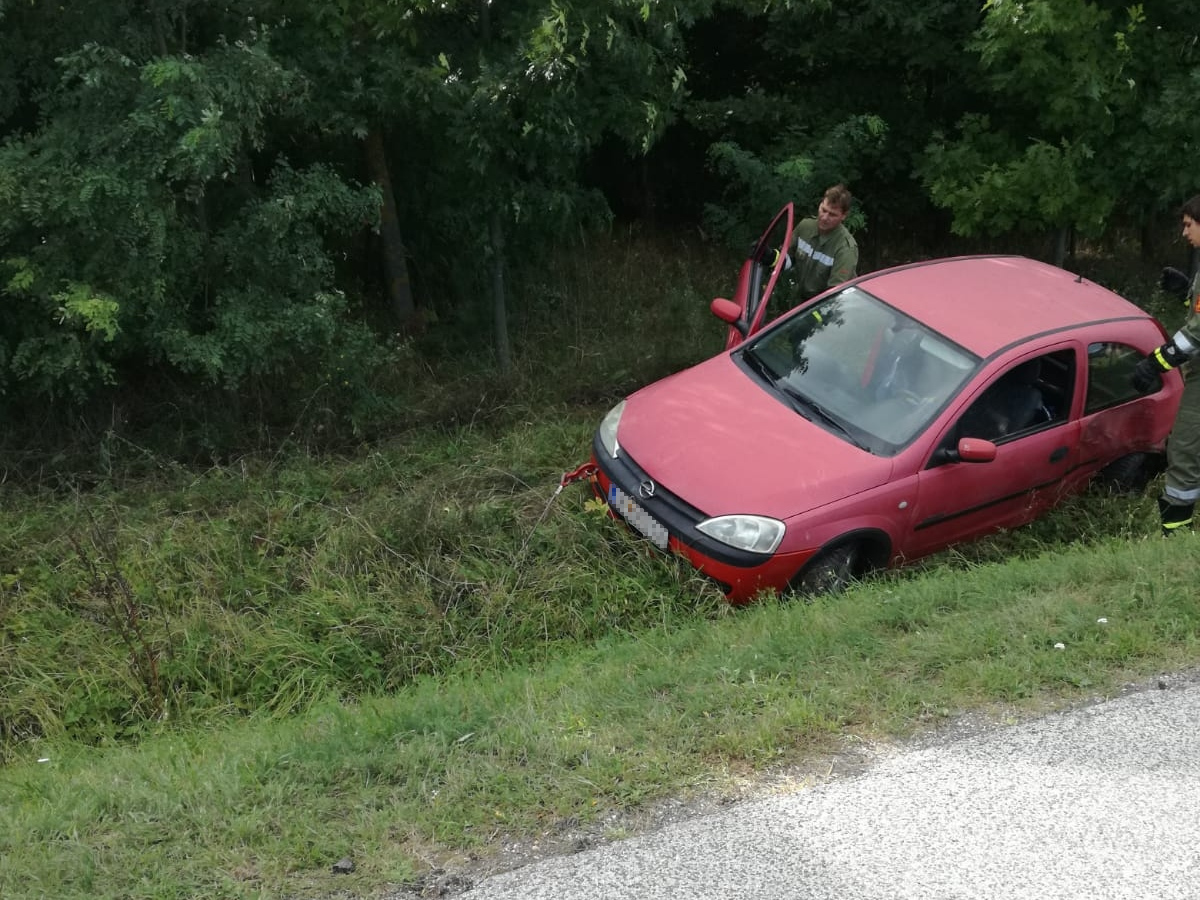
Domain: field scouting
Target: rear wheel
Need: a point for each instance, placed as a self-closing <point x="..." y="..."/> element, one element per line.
<point x="1129" y="474"/>
<point x="833" y="569"/>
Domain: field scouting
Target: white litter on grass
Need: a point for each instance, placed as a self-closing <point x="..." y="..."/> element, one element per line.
<point x="1060" y="646"/>
<point x="44" y="759"/>
<point x="1102" y="621"/>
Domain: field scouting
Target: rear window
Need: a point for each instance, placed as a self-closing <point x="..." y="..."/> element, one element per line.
<point x="1110" y="368"/>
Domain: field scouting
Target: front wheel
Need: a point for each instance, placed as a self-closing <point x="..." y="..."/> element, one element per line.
<point x="833" y="569"/>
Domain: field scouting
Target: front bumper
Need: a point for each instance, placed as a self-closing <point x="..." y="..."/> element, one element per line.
<point x="739" y="573"/>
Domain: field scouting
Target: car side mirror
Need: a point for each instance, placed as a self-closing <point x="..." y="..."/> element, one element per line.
<point x="975" y="450"/>
<point x="726" y="310"/>
<point x="969" y="449"/>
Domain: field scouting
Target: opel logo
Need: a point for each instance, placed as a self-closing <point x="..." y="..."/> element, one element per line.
<point x="646" y="489"/>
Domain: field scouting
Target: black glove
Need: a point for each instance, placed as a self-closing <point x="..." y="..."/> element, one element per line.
<point x="1146" y="375"/>
<point x="1147" y="372"/>
<point x="1174" y="282"/>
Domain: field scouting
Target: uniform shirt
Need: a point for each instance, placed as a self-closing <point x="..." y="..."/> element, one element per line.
<point x="1183" y="463"/>
<point x="1187" y="338"/>
<point x="822" y="260"/>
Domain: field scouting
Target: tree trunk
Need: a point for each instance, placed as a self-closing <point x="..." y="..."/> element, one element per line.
<point x="496" y="240"/>
<point x="1060" y="246"/>
<point x="499" y="309"/>
<point x="1146" y="236"/>
<point x="395" y="257"/>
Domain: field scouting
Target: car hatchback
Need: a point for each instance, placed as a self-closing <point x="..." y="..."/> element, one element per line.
<point x="888" y="418"/>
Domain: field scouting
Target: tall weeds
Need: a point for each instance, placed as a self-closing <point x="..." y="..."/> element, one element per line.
<point x="136" y="590"/>
<point x="125" y="614"/>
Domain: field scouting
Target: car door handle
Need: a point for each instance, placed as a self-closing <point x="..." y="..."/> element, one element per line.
<point x="1058" y="455"/>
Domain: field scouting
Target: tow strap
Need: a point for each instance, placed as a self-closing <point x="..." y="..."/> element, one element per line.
<point x="587" y="470"/>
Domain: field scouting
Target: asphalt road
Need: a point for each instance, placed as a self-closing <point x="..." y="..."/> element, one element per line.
<point x="1102" y="801"/>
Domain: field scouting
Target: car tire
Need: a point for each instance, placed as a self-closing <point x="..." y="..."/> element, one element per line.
<point x="833" y="569"/>
<point x="1129" y="474"/>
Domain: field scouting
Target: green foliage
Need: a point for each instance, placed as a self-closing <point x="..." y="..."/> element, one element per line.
<point x="271" y="582"/>
<point x="759" y="186"/>
<point x="140" y="235"/>
<point x="1070" y="88"/>
<point x="1065" y="61"/>
<point x="807" y="95"/>
<point x="995" y="188"/>
<point x="289" y="310"/>
<point x="179" y="182"/>
<point x="197" y="603"/>
<point x="588" y="739"/>
<point x="71" y="358"/>
<point x="524" y="94"/>
<point x="1167" y="84"/>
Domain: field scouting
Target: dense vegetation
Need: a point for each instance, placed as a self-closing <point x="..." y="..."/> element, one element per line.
<point x="148" y="590"/>
<point x="218" y="219"/>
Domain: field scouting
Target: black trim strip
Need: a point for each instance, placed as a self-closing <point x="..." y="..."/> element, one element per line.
<point x="937" y="520"/>
<point x="1040" y="334"/>
<point x="949" y="517"/>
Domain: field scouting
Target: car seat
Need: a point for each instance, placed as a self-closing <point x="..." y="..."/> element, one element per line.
<point x="1013" y="403"/>
<point x="1021" y="403"/>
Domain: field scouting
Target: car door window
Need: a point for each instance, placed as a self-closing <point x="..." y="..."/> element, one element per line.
<point x="758" y="277"/>
<point x="770" y="259"/>
<point x="1110" y="369"/>
<point x="1029" y="397"/>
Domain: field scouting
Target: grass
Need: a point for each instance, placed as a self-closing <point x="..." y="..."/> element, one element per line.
<point x="401" y="782"/>
<point x="221" y="680"/>
<point x="271" y="589"/>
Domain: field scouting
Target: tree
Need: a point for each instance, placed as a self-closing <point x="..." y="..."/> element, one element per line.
<point x="501" y="106"/>
<point x="1072" y="86"/>
<point x="803" y="95"/>
<point x="176" y="180"/>
<point x="359" y="59"/>
<point x="142" y="224"/>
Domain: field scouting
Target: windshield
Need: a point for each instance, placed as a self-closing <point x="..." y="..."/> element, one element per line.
<point x="875" y="372"/>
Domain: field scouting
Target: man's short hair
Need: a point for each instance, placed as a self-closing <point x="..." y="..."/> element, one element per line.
<point x="839" y="196"/>
<point x="1191" y="209"/>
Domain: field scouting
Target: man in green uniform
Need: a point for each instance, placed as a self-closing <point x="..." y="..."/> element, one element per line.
<point x="1182" y="489"/>
<point x="824" y="253"/>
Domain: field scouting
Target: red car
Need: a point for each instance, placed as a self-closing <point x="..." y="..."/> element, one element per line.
<point x="886" y="419"/>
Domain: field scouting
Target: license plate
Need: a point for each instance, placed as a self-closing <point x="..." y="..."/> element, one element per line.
<point x="643" y="523"/>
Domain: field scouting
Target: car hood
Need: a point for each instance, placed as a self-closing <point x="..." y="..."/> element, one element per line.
<point x="725" y="443"/>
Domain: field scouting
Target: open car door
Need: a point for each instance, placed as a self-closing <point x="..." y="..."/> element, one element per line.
<point x="747" y="311"/>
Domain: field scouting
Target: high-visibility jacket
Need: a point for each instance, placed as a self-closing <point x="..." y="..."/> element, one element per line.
<point x="1183" y="447"/>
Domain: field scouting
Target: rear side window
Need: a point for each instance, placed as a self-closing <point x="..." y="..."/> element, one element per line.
<point x="1110" y="367"/>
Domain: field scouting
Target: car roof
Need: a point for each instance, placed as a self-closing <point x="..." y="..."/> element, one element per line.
<point x="987" y="303"/>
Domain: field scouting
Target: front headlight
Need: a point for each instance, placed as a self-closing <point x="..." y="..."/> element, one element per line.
<point x="758" y="534"/>
<point x="608" y="430"/>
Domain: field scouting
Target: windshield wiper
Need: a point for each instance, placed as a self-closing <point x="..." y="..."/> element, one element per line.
<point x="800" y="403"/>
<point x="754" y="361"/>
